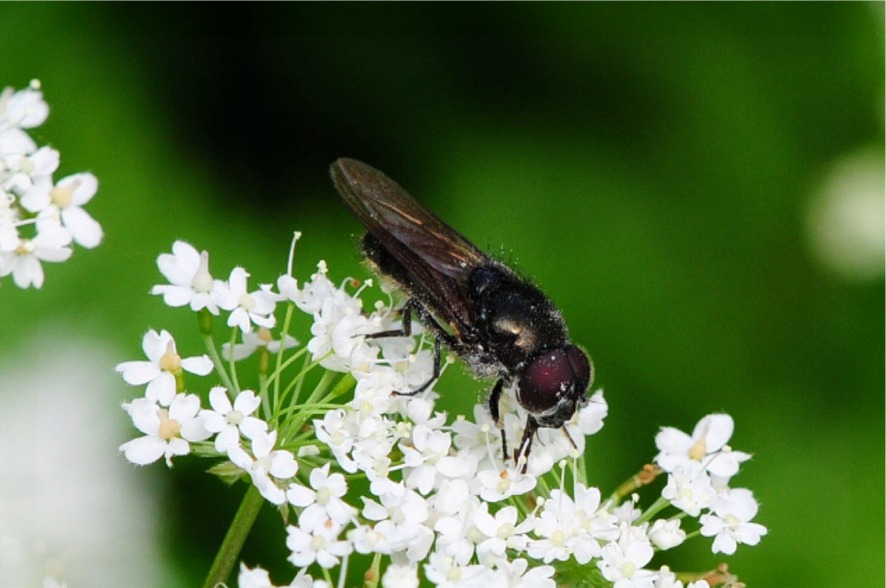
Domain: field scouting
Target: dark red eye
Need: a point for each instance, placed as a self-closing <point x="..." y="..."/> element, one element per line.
<point x="581" y="367"/>
<point x="554" y="376"/>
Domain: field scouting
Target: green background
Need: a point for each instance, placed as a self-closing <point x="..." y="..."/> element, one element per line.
<point x="651" y="166"/>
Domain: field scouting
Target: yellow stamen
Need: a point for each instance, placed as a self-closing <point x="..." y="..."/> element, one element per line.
<point x="169" y="428"/>
<point x="62" y="196"/>
<point x="171" y="361"/>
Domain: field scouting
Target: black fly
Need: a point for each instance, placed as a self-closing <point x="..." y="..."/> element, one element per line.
<point x="498" y="322"/>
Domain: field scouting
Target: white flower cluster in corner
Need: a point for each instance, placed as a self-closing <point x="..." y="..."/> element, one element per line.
<point x="40" y="218"/>
<point x="442" y="506"/>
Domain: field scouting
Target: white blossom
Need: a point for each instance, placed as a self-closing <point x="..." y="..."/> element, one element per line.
<point x="730" y="521"/>
<point x="163" y="364"/>
<point x="322" y="501"/>
<point x="705" y="447"/>
<point x="190" y="283"/>
<point x="246" y="307"/>
<point x="229" y="421"/>
<point x="168" y="431"/>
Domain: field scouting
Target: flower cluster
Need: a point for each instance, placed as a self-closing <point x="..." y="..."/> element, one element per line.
<point x="40" y="218"/>
<point x="699" y="468"/>
<point x="443" y="505"/>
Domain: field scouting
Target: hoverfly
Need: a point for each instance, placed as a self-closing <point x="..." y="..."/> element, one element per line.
<point x="499" y="323"/>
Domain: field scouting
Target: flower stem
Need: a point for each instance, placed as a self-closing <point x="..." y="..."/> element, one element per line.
<point x="658" y="506"/>
<point x="218" y="364"/>
<point x="227" y="555"/>
<point x="638" y="480"/>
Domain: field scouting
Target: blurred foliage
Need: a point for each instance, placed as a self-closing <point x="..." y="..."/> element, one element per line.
<point x="650" y="165"/>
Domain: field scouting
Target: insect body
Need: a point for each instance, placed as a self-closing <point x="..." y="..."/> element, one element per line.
<point x="499" y="323"/>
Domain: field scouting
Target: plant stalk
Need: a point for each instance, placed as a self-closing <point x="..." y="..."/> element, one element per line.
<point x="227" y="555"/>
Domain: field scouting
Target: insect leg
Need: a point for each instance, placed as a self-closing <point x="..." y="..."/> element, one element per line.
<point x="494" y="411"/>
<point x="568" y="436"/>
<point x="405" y="330"/>
<point x="426" y="318"/>
<point x="526" y="442"/>
<point x="434" y="376"/>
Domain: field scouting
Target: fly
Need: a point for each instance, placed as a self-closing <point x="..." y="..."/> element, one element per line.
<point x="501" y="324"/>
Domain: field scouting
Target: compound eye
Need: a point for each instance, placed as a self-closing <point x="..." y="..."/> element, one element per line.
<point x="545" y="381"/>
<point x="581" y="367"/>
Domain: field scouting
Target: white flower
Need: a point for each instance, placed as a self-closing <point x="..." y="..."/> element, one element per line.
<point x="378" y="539"/>
<point x="427" y="459"/>
<point x="320" y="545"/>
<point x="555" y="534"/>
<point x="308" y="299"/>
<point x="443" y="570"/>
<point x="26" y="191"/>
<point x="338" y="430"/>
<point x="596" y="523"/>
<point x="268" y="464"/>
<point x="706" y="447"/>
<point x="689" y="490"/>
<point x="323" y="501"/>
<point x="502" y="531"/>
<point x="456" y="532"/>
<point x="572" y="528"/>
<point x="254" y="578"/>
<point x="518" y="575"/>
<point x="167" y="431"/>
<point x="400" y="576"/>
<point x="252" y="340"/>
<point x="622" y="562"/>
<point x="65" y="202"/>
<point x="337" y="328"/>
<point x="228" y="421"/>
<point x="50" y="244"/>
<point x="591" y="415"/>
<point x="189" y="278"/>
<point x="478" y="440"/>
<point x="31" y="176"/>
<point x="401" y="515"/>
<point x="627" y="511"/>
<point x="256" y="307"/>
<point x="499" y="484"/>
<point x="666" y="534"/>
<point x="373" y="394"/>
<point x="414" y="368"/>
<point x="159" y="372"/>
<point x="667" y="579"/>
<point x="24" y="109"/>
<point x="729" y="522"/>
<point x="373" y="449"/>
<point x="9" y="237"/>
<point x="338" y="324"/>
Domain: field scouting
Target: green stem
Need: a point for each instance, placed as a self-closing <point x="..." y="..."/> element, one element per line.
<point x="659" y="505"/>
<point x="218" y="364"/>
<point x="638" y="480"/>
<point x="227" y="555"/>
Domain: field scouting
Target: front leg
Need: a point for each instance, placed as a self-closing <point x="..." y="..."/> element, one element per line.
<point x="494" y="404"/>
<point x="526" y="442"/>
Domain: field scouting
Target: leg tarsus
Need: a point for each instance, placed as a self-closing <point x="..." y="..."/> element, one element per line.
<point x="526" y="443"/>
<point x="495" y="412"/>
<point x="405" y="329"/>
<point x="434" y="376"/>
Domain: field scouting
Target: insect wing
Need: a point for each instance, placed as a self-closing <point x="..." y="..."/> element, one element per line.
<point x="438" y="258"/>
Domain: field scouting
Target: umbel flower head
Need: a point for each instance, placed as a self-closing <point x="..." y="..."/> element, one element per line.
<point x="438" y="503"/>
<point x="40" y="218"/>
